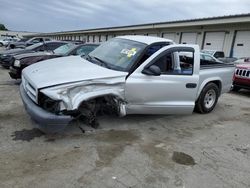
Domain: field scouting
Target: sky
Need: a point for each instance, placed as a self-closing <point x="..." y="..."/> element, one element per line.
<point x="67" y="15"/>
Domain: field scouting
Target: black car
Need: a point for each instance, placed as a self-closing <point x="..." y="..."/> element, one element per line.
<point x="7" y="57"/>
<point x="24" y="60"/>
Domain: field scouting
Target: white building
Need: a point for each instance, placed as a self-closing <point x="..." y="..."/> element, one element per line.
<point x="18" y="34"/>
<point x="230" y="34"/>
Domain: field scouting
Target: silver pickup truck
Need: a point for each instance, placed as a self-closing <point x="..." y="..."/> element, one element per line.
<point x="126" y="75"/>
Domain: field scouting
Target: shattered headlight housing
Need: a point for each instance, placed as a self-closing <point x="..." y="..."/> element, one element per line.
<point x="49" y="104"/>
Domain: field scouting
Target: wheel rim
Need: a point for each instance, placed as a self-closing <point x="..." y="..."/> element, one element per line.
<point x="210" y="98"/>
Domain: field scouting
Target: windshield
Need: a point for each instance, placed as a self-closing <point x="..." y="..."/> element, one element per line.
<point x="64" y="49"/>
<point x="118" y="54"/>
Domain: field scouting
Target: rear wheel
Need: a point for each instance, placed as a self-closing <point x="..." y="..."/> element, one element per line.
<point x="207" y="99"/>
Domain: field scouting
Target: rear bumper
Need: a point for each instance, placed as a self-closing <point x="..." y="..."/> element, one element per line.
<point x="46" y="121"/>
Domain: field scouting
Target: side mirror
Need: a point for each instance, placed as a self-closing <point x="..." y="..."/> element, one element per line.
<point x="153" y="70"/>
<point x="82" y="54"/>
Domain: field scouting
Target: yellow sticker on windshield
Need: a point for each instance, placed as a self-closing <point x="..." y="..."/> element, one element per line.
<point x="128" y="52"/>
<point x="132" y="52"/>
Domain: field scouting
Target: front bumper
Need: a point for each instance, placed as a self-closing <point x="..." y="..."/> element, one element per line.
<point x="15" y="73"/>
<point x="46" y="121"/>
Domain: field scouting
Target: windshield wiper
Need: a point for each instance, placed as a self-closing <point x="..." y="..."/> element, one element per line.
<point x="102" y="62"/>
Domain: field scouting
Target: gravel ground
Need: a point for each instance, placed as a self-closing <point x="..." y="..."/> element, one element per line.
<point x="195" y="151"/>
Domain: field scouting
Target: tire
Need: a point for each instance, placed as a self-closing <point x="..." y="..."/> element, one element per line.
<point x="12" y="46"/>
<point x="1" y="44"/>
<point x="208" y="98"/>
<point x="236" y="88"/>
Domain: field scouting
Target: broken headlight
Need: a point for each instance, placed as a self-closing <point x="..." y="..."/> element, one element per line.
<point x="49" y="104"/>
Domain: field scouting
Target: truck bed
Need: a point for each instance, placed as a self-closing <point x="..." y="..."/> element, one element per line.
<point x="210" y="65"/>
<point x="217" y="71"/>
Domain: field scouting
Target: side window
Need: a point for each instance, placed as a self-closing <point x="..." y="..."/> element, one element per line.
<point x="53" y="46"/>
<point x="219" y="55"/>
<point x="40" y="48"/>
<point x="35" y="41"/>
<point x="47" y="39"/>
<point x="150" y="51"/>
<point x="176" y="63"/>
<point x="84" y="50"/>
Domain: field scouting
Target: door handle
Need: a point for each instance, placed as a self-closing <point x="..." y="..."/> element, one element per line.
<point x="191" y="85"/>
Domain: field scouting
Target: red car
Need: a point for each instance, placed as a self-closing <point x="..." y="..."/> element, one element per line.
<point x="241" y="78"/>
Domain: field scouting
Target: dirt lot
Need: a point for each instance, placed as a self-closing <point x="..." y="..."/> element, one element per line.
<point x="193" y="151"/>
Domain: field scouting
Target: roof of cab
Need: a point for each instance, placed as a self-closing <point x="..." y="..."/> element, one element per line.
<point x="145" y="39"/>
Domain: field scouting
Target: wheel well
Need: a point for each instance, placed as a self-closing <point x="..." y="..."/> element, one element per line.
<point x="218" y="83"/>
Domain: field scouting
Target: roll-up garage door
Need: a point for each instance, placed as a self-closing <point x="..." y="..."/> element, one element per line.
<point x="170" y="36"/>
<point x="214" y="41"/>
<point x="91" y="38"/>
<point x="103" y="38"/>
<point x="152" y="34"/>
<point x="110" y="37"/>
<point x="189" y="38"/>
<point x="242" y="44"/>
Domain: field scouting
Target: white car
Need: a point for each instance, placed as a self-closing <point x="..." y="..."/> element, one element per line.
<point x="6" y="41"/>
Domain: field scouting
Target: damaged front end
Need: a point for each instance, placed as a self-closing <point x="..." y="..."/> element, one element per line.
<point x="85" y="100"/>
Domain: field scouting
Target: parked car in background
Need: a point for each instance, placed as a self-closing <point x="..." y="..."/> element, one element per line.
<point x="6" y="41"/>
<point x="24" y="60"/>
<point x="241" y="78"/>
<point x="6" y="57"/>
<point x="208" y="57"/>
<point x="219" y="55"/>
<point x="214" y="53"/>
<point x="24" y="43"/>
<point x="125" y="75"/>
<point x="242" y="60"/>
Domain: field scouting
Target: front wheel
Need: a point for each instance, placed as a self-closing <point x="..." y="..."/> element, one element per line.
<point x="207" y="99"/>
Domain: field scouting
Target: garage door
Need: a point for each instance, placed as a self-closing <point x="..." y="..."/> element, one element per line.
<point x="91" y="38"/>
<point x="103" y="38"/>
<point x="170" y="36"/>
<point x="242" y="44"/>
<point x="110" y="37"/>
<point x="152" y="34"/>
<point x="214" y="41"/>
<point x="189" y="38"/>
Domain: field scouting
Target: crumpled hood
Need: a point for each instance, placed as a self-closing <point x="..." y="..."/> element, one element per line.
<point x="66" y="70"/>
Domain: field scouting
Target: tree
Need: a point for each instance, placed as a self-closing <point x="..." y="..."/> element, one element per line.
<point x="2" y="27"/>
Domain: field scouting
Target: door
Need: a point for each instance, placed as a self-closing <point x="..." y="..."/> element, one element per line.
<point x="189" y="38"/>
<point x="174" y="91"/>
<point x="242" y="44"/>
<point x="214" y="41"/>
<point x="170" y="36"/>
